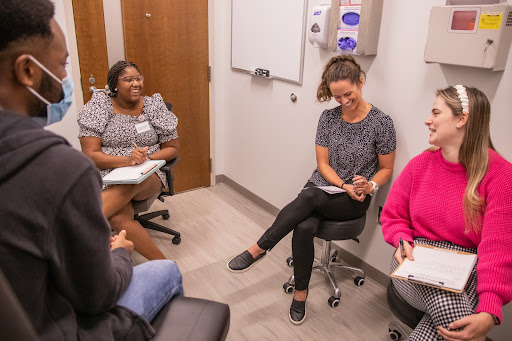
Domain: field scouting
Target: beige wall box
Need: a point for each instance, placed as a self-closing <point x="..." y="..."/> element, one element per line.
<point x="355" y="26"/>
<point x="473" y="33"/>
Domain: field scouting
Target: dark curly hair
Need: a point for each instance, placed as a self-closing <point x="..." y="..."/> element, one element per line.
<point x="115" y="71"/>
<point x="21" y="20"/>
<point x="339" y="68"/>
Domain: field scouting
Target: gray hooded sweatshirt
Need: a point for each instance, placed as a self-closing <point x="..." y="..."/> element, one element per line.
<point x="55" y="242"/>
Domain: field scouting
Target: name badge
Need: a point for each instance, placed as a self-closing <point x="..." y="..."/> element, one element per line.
<point x="142" y="127"/>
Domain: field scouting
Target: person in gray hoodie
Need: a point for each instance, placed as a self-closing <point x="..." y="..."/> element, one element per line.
<point x="73" y="280"/>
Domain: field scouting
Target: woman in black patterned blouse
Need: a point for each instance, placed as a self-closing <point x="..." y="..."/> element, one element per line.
<point x="109" y="128"/>
<point x="355" y="150"/>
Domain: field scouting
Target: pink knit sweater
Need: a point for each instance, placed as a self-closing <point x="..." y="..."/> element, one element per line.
<point x="426" y="201"/>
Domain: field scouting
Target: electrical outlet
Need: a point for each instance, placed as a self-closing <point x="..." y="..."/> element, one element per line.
<point x="378" y="215"/>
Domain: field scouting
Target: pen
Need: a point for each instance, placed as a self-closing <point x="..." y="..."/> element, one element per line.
<point x="135" y="145"/>
<point x="402" y="252"/>
<point x="148" y="169"/>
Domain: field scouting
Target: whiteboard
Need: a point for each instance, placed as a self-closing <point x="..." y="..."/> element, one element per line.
<point x="269" y="35"/>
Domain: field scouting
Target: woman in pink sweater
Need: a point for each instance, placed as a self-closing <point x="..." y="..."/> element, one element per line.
<point x="455" y="196"/>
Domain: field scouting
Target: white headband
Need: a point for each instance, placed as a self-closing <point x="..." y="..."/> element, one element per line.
<point x="463" y="97"/>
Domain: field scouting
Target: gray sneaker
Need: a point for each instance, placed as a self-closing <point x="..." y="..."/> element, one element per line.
<point x="244" y="262"/>
<point x="297" y="312"/>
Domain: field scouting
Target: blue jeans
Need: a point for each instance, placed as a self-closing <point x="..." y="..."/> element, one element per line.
<point x="153" y="284"/>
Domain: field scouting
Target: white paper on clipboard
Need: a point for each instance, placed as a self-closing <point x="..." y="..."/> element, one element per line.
<point x="446" y="269"/>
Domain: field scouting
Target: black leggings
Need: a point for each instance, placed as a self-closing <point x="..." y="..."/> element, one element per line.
<point x="304" y="215"/>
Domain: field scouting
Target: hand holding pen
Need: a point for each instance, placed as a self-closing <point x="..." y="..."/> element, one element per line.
<point x="138" y="155"/>
<point x="404" y="250"/>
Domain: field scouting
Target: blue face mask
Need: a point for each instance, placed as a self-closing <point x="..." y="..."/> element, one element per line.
<point x="55" y="111"/>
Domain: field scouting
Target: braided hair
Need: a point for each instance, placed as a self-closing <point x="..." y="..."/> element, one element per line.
<point x="115" y="71"/>
<point x="339" y="68"/>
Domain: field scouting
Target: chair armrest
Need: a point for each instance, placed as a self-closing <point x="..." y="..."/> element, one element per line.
<point x="167" y="169"/>
<point x="14" y="322"/>
<point x="187" y="318"/>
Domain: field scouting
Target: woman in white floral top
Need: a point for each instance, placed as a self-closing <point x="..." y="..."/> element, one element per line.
<point x="110" y="127"/>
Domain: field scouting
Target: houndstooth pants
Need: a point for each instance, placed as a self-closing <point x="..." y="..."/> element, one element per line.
<point x="441" y="307"/>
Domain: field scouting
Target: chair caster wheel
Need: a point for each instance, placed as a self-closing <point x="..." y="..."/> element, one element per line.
<point x="288" y="288"/>
<point x="333" y="301"/>
<point x="394" y="335"/>
<point x="289" y="261"/>
<point x="165" y="216"/>
<point x="359" y="281"/>
<point x="176" y="240"/>
<point x="334" y="256"/>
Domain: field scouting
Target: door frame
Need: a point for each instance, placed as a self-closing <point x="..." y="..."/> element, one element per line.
<point x="73" y="52"/>
<point x="211" y="91"/>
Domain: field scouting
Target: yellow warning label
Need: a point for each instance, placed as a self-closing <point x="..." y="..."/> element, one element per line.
<point x="490" y="21"/>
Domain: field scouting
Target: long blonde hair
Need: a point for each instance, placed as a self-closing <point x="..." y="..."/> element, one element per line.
<point x="474" y="151"/>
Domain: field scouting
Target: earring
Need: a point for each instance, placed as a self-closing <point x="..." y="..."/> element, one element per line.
<point x="115" y="89"/>
<point x="458" y="125"/>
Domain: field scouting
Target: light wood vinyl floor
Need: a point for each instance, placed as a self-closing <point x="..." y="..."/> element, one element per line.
<point x="217" y="223"/>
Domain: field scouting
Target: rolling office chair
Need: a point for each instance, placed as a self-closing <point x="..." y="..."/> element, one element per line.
<point x="329" y="231"/>
<point x="144" y="205"/>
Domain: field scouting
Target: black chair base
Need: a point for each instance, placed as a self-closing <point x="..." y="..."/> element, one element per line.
<point x="329" y="231"/>
<point x="328" y="261"/>
<point x="407" y="314"/>
<point x="144" y="220"/>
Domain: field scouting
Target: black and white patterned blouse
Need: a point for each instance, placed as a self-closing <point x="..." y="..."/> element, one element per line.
<point x="117" y="131"/>
<point x="354" y="147"/>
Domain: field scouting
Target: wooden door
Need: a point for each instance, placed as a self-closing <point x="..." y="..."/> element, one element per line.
<point x="168" y="40"/>
<point x="92" y="44"/>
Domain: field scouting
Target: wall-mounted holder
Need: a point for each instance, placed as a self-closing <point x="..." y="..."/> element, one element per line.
<point x="262" y="73"/>
<point x="354" y="26"/>
<point x="476" y="33"/>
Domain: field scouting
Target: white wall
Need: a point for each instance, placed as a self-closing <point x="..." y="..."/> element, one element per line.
<point x="265" y="142"/>
<point x="68" y="127"/>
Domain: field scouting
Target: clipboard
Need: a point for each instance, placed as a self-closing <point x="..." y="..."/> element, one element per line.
<point x="436" y="267"/>
<point x="133" y="174"/>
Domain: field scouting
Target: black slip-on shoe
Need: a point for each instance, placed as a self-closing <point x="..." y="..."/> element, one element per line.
<point x="297" y="312"/>
<point x="244" y="262"/>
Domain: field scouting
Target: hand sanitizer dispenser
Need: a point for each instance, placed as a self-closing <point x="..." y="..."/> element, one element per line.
<point x="318" y="31"/>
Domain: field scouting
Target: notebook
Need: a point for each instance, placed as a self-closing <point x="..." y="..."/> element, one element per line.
<point x="328" y="189"/>
<point x="133" y="174"/>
